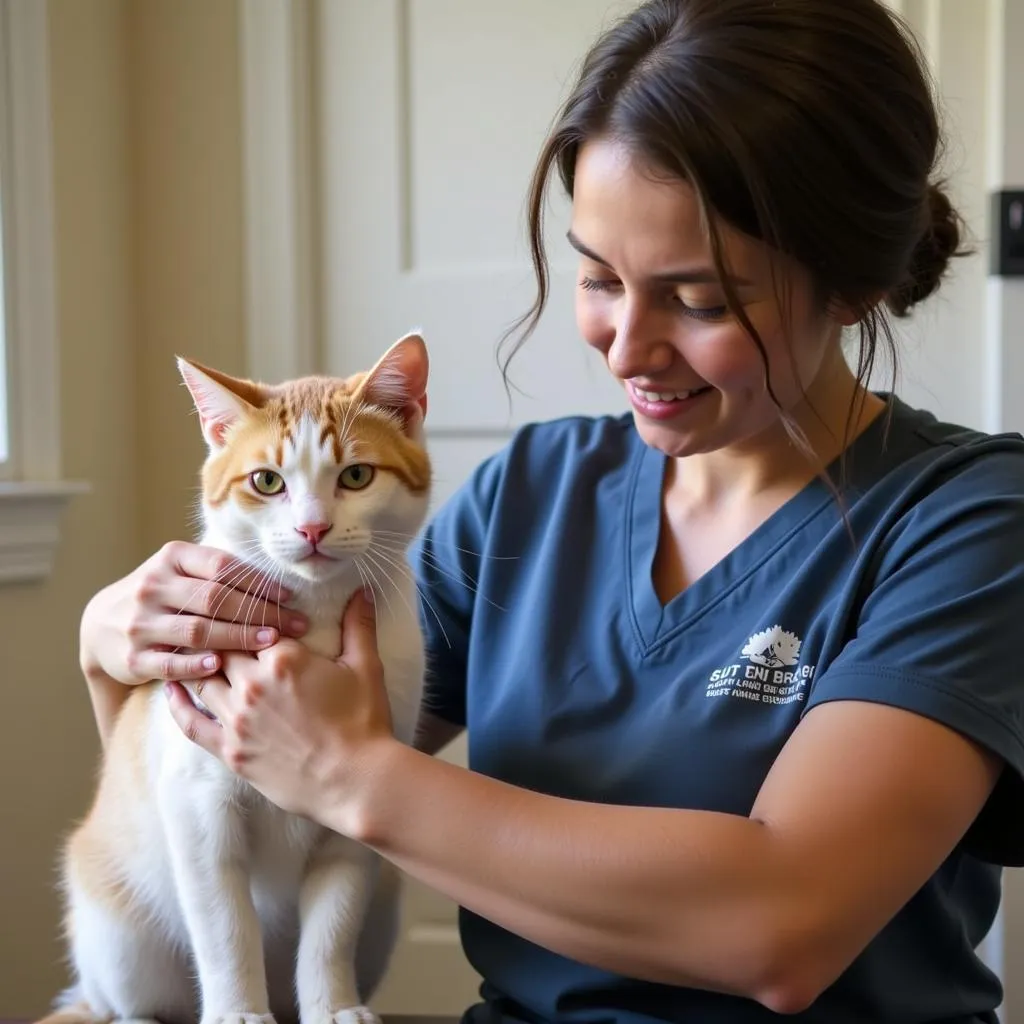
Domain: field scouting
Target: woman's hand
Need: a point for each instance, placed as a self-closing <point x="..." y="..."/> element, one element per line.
<point x="303" y="729"/>
<point x="172" y="616"/>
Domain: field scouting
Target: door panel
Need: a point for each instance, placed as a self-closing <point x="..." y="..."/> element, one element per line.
<point x="429" y="130"/>
<point x="428" y="126"/>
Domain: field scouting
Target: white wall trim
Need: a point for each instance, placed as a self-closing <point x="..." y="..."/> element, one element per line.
<point x="1006" y="170"/>
<point x="282" y="333"/>
<point x="33" y="498"/>
<point x="1004" y="370"/>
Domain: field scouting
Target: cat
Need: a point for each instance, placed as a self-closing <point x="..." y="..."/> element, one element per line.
<point x="181" y="872"/>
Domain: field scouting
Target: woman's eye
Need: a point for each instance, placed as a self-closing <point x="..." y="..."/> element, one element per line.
<point x="594" y="284"/>
<point x="356" y="477"/>
<point x="704" y="312"/>
<point x="266" y="481"/>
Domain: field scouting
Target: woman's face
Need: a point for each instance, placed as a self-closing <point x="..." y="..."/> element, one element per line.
<point x="649" y="301"/>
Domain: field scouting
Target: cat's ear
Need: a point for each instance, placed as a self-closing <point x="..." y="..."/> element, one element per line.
<point x="399" y="380"/>
<point x="219" y="399"/>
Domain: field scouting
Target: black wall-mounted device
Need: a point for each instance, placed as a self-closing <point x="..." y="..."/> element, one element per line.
<point x="1006" y="255"/>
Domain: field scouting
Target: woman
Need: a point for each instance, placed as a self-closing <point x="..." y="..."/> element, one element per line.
<point x="745" y="712"/>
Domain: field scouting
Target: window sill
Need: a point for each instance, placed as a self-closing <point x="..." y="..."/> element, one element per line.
<point x="30" y="527"/>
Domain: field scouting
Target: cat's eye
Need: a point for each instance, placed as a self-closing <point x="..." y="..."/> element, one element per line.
<point x="356" y="477"/>
<point x="266" y="481"/>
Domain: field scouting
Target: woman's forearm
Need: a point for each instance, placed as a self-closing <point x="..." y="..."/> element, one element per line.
<point x="107" y="696"/>
<point x="681" y="897"/>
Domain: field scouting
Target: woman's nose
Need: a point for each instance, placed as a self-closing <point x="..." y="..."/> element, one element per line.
<point x="640" y="347"/>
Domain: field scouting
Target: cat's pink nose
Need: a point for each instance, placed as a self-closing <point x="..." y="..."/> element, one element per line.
<point x="313" y="532"/>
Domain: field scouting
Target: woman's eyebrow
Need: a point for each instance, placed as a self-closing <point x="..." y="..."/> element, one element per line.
<point x="689" y="275"/>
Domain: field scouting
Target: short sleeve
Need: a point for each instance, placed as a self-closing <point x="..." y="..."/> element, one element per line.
<point x="941" y="627"/>
<point x="446" y="562"/>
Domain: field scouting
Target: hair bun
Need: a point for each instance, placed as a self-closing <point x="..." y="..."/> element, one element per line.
<point x="938" y="244"/>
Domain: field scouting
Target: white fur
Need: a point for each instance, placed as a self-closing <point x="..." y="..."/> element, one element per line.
<point x="258" y="912"/>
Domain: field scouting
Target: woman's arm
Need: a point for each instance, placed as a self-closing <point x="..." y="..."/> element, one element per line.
<point x="107" y="697"/>
<point x="773" y="907"/>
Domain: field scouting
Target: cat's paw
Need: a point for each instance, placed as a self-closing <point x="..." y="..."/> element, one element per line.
<point x="238" y="1018"/>
<point x="355" y="1015"/>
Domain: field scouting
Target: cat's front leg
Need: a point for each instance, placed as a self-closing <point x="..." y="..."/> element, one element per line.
<point x="208" y="860"/>
<point x="336" y="892"/>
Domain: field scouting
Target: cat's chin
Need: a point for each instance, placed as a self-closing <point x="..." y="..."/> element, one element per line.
<point x="318" y="571"/>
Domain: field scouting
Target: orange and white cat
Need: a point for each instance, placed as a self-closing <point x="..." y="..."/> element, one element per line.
<point x="189" y="896"/>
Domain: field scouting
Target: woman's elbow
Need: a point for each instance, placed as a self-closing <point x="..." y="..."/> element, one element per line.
<point x="797" y="968"/>
<point x="783" y="958"/>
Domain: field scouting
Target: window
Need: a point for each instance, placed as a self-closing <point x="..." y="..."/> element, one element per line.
<point x="32" y="492"/>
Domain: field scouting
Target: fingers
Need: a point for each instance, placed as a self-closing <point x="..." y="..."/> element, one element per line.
<point x="242" y="596"/>
<point x="201" y="634"/>
<point x="198" y="598"/>
<point x="359" y="633"/>
<point x="201" y="730"/>
<point x="156" y="664"/>
<point x="206" y="563"/>
<point x="215" y="693"/>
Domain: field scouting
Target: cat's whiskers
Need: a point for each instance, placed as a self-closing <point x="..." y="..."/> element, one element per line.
<point x="346" y="425"/>
<point x="380" y="589"/>
<point x="276" y="575"/>
<point x="228" y="578"/>
<point x="233" y="571"/>
<point x="469" y="583"/>
<point x="405" y="570"/>
<point x="364" y="579"/>
<point x="409" y="537"/>
<point x="261" y="581"/>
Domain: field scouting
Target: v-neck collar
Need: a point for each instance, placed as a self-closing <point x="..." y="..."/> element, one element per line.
<point x="653" y="622"/>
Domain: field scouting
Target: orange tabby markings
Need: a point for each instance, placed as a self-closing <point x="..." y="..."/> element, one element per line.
<point x="180" y="869"/>
<point x="342" y="416"/>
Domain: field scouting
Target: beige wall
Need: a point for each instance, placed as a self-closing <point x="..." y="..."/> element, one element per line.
<point x="148" y="206"/>
<point x="49" y="741"/>
<point x="186" y="150"/>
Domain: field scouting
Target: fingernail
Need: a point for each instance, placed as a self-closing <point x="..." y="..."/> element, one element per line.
<point x="368" y="595"/>
<point x="210" y="662"/>
<point x="297" y="625"/>
<point x="265" y="636"/>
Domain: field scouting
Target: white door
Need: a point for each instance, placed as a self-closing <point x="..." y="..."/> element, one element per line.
<point x="389" y="149"/>
<point x="431" y="115"/>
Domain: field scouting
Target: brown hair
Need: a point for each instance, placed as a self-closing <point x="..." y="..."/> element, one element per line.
<point x="807" y="124"/>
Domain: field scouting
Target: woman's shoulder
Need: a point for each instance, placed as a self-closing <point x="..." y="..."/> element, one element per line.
<point x="928" y="464"/>
<point x="954" y="440"/>
<point x="575" y="440"/>
<point x="547" y="470"/>
<point x="547" y="457"/>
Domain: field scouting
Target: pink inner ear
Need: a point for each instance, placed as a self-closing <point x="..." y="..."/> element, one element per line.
<point x="400" y="379"/>
<point x="215" y="429"/>
<point x="218" y="408"/>
<point x="414" y="413"/>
